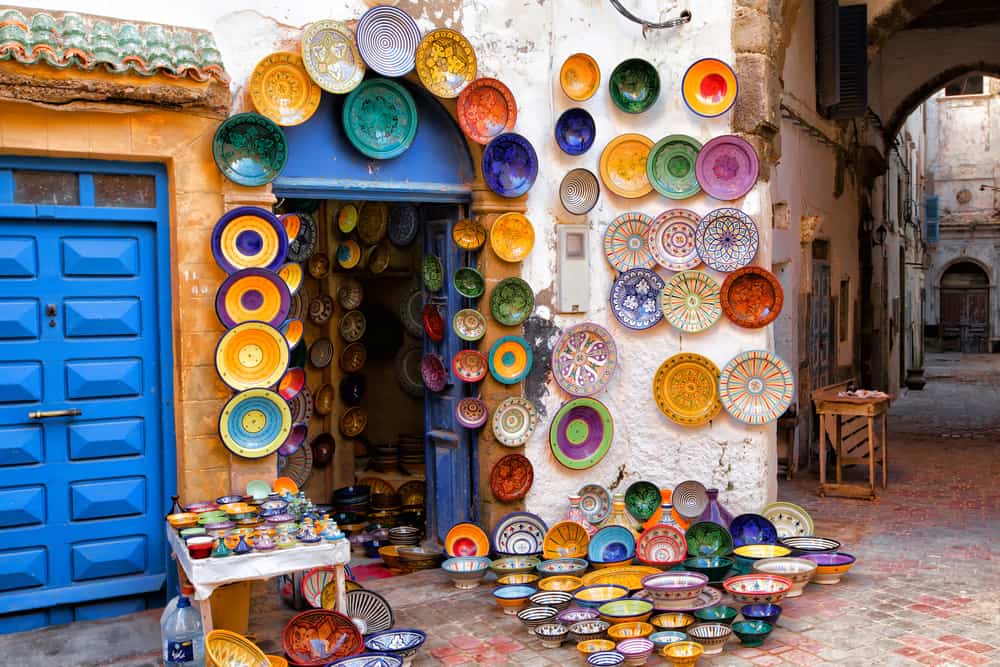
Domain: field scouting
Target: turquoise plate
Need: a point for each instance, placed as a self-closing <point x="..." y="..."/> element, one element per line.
<point x="380" y="118"/>
<point x="249" y="149"/>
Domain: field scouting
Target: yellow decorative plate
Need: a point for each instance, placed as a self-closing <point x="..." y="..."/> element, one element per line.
<point x="331" y="56"/>
<point x="566" y="539"/>
<point x="580" y="77"/>
<point x="629" y="576"/>
<point x="468" y="234"/>
<point x="686" y="389"/>
<point x="623" y="165"/>
<point x="373" y="222"/>
<point x="446" y="62"/>
<point x="347" y="218"/>
<point x="281" y="89"/>
<point x="762" y="551"/>
<point x="563" y="582"/>
<point x="228" y="649"/>
<point x="512" y="237"/>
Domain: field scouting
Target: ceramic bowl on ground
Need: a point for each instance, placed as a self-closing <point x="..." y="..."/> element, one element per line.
<point x="606" y="659"/>
<point x="563" y="583"/>
<point x="532" y="617"/>
<point x="749" y="554"/>
<point x="630" y="630"/>
<point x="370" y="659"/>
<point x="403" y="643"/>
<point x="757" y="588"/>
<point x="715" y="568"/>
<point x="636" y="651"/>
<point x="798" y="570"/>
<point x="520" y="579"/>
<point x="683" y="654"/>
<point x="625" y="611"/>
<point x="555" y="599"/>
<point x="552" y="634"/>
<point x="717" y="614"/>
<point x="598" y="594"/>
<point x="672" y="621"/>
<point x="588" y="647"/>
<point x="712" y="636"/>
<point x="752" y="633"/>
<point x="276" y="661"/>
<point x="665" y="638"/>
<point x="599" y="565"/>
<point x="514" y="565"/>
<point x="769" y="613"/>
<point x="830" y="567"/>
<point x="512" y="598"/>
<point x="582" y="631"/>
<point x="566" y="566"/>
<point x="577" y="614"/>
<point x="809" y="545"/>
<point x="674" y="590"/>
<point x="466" y="571"/>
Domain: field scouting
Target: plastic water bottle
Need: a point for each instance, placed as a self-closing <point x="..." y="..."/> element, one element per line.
<point x="187" y="591"/>
<point x="183" y="639"/>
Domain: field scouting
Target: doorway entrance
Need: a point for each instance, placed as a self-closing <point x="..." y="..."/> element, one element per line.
<point x="965" y="297"/>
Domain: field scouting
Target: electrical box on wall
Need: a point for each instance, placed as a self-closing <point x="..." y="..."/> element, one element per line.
<point x="572" y="269"/>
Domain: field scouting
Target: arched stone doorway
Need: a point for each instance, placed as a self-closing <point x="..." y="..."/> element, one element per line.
<point x="965" y="309"/>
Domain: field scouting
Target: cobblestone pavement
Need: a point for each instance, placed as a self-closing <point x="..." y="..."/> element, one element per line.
<point x="925" y="590"/>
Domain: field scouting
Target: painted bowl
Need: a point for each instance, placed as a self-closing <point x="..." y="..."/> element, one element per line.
<point x="575" y="131"/>
<point x="625" y="611"/>
<point x="709" y="88"/>
<point x="466" y="571"/>
<point x="555" y="599"/>
<point x="630" y="630"/>
<point x="683" y="654"/>
<point x="193" y="531"/>
<point x="715" y="568"/>
<point x="404" y="642"/>
<point x="201" y="506"/>
<point x="611" y="545"/>
<point x="598" y="594"/>
<point x="809" y="545"/>
<point x="748" y="554"/>
<point x="580" y="77"/>
<point x="226" y="500"/>
<point x="532" y="617"/>
<point x="577" y="614"/>
<point x="675" y="621"/>
<point x="606" y="659"/>
<point x="469" y="283"/>
<point x="563" y="583"/>
<point x="182" y="520"/>
<point x="519" y="579"/>
<point x="768" y="613"/>
<point x="757" y="587"/>
<point x="830" y="567"/>
<point x="600" y="565"/>
<point x="566" y="566"/>
<point x="512" y="598"/>
<point x="634" y="85"/>
<point x="552" y="634"/>
<point x="589" y="630"/>
<point x="717" y="614"/>
<point x="712" y="636"/>
<point x="370" y="659"/>
<point x="276" y="661"/>
<point x="226" y="648"/>
<point x="676" y="589"/>
<point x="636" y="650"/>
<point x="665" y="638"/>
<point x="798" y="570"/>
<point x="514" y="565"/>
<point x="752" y="633"/>
<point x="588" y="647"/>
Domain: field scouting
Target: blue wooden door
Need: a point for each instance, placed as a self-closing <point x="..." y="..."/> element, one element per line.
<point x="86" y="451"/>
<point x="452" y="466"/>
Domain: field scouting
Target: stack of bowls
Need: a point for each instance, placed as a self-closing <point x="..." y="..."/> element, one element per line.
<point x="674" y="590"/>
<point x="404" y="536"/>
<point x="385" y="507"/>
<point x="384" y="458"/>
<point x="533" y="616"/>
<point x="552" y="634"/>
<point x="636" y="651"/>
<point x="748" y="554"/>
<point x="411" y="449"/>
<point x="355" y="499"/>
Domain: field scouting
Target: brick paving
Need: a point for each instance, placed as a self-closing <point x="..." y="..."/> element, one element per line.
<point x="925" y="590"/>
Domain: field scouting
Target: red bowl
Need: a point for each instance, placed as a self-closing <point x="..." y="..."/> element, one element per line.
<point x="200" y="547"/>
<point x="331" y="629"/>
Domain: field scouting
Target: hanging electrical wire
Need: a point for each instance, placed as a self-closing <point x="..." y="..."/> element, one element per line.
<point x="685" y="17"/>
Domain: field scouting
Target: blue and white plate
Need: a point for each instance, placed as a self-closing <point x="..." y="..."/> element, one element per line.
<point x="635" y="298"/>
<point x="387" y="40"/>
<point x="726" y="239"/>
<point x="519" y="534"/>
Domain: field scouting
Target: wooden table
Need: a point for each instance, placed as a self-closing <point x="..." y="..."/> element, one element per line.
<point x="207" y="574"/>
<point x="849" y="423"/>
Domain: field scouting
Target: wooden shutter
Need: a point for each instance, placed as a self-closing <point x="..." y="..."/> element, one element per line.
<point x="853" y="63"/>
<point x="932" y="219"/>
<point x="827" y="54"/>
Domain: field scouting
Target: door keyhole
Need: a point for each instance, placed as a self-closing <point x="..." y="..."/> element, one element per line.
<point x="50" y="311"/>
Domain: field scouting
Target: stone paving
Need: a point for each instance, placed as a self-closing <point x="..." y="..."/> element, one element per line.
<point x="925" y="590"/>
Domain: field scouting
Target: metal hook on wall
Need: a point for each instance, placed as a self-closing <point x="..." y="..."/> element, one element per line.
<point x="685" y="17"/>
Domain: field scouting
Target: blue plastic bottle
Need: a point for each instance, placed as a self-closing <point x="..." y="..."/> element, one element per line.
<point x="183" y="639"/>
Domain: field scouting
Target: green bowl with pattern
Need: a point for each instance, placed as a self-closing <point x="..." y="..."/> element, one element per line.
<point x="634" y="85"/>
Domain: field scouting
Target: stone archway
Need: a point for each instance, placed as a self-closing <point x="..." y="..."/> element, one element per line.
<point x="929" y="87"/>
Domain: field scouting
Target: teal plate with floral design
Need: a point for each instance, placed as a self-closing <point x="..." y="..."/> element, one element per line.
<point x="708" y="539"/>
<point x="670" y="166"/>
<point x="380" y="118"/>
<point x="249" y="149"/>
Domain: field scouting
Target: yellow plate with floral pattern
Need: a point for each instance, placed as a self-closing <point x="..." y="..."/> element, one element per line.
<point x="512" y="237"/>
<point x="686" y="389"/>
<point x="623" y="165"/>
<point x="446" y="62"/>
<point x="468" y="234"/>
<point x="331" y="56"/>
<point x="281" y="89"/>
<point x="629" y="576"/>
<point x="566" y="539"/>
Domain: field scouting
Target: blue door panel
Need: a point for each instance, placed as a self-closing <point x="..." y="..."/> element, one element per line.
<point x="103" y="378"/>
<point x="21" y="445"/>
<point x="18" y="257"/>
<point x="22" y="506"/>
<point x="105" y="439"/>
<point x="98" y="610"/>
<point x="20" y="382"/>
<point x="102" y="317"/>
<point x="23" y="568"/>
<point x="23" y="622"/>
<point x="106" y="498"/>
<point x="100" y="256"/>
<point x="19" y="318"/>
<point x="109" y="558"/>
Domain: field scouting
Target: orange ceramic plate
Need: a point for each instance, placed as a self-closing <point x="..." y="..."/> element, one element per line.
<point x="291" y="273"/>
<point x="566" y="539"/>
<point x="283" y="484"/>
<point x="710" y="87"/>
<point x="281" y="89"/>
<point x="466" y="539"/>
<point x="580" y="77"/>
<point x="512" y="237"/>
<point x="252" y="354"/>
<point x="623" y="165"/>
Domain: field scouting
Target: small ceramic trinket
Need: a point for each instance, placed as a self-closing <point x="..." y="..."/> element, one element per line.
<point x="576" y="514"/>
<point x="262" y="541"/>
<point x="242" y="548"/>
<point x="332" y="532"/>
<point x="221" y="550"/>
<point x="285" y="540"/>
<point x="307" y="535"/>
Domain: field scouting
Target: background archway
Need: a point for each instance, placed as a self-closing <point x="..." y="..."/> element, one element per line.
<point x="965" y="298"/>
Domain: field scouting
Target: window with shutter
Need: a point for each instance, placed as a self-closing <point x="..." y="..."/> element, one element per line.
<point x="853" y="63"/>
<point x="932" y="219"/>
<point x="827" y="54"/>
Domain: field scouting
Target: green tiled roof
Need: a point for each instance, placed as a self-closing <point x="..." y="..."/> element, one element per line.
<point x="88" y="43"/>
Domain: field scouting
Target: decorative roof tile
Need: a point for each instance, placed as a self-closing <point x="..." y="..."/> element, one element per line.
<point x="89" y="43"/>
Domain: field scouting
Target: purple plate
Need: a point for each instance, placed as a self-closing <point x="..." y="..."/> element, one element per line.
<point x="833" y="558"/>
<point x="249" y="236"/>
<point x="433" y="372"/>
<point x="251" y="303"/>
<point x="581" y="433"/>
<point x="752" y="529"/>
<point x="471" y="412"/>
<point x="575" y="131"/>
<point x="510" y="165"/>
<point x="294" y="440"/>
<point x="727" y="167"/>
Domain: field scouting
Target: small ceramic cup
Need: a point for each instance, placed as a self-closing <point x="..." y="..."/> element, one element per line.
<point x="200" y="547"/>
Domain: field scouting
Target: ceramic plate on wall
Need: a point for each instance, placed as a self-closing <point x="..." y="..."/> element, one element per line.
<point x="709" y="87"/>
<point x="301" y="230"/>
<point x="685" y="389"/>
<point x="404" y="223"/>
<point x="756" y="387"/>
<point x="623" y="165"/>
<point x="634" y="85"/>
<point x="469" y="324"/>
<point x="252" y="354"/>
<point x="575" y="131"/>
<point x="584" y="359"/>
<point x="469" y="365"/>
<point x="471" y="412"/>
<point x="727" y="168"/>
<point x="408" y="370"/>
<point x="432" y="271"/>
<point x="579" y="191"/>
<point x="380" y="118"/>
<point x="292" y="274"/>
<point x="671" y="166"/>
<point x="635" y="299"/>
<point x="446" y="62"/>
<point x="510" y="359"/>
<point x="511" y="302"/>
<point x="626" y="242"/>
<point x="514" y="421"/>
<point x="580" y="77"/>
<point x="511" y="478"/>
<point x="301" y="406"/>
<point x="727" y="239"/>
<point x="387" y="39"/>
<point x="672" y="239"/>
<point x="252" y="294"/>
<point x="373" y="222"/>
<point x="254" y="423"/>
<point x="433" y="373"/>
<point x="331" y="57"/>
<point x="249" y="149"/>
<point x="249" y="237"/>
<point x="512" y="237"/>
<point x="486" y="109"/>
<point x="280" y="88"/>
<point x="468" y="234"/>
<point x="510" y="165"/>
<point x="752" y="297"/>
<point x="581" y="433"/>
<point x="410" y="311"/>
<point x="691" y="301"/>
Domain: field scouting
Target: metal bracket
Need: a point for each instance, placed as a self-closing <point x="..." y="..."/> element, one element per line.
<point x="685" y="17"/>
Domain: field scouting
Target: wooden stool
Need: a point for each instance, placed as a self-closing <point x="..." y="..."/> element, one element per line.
<point x="849" y="424"/>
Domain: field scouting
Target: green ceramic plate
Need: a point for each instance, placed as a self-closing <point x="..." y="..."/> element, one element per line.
<point x="708" y="539"/>
<point x="380" y="118"/>
<point x="670" y="166"/>
<point x="469" y="283"/>
<point x="249" y="149"/>
<point x="634" y="85"/>
<point x="433" y="273"/>
<point x="511" y="301"/>
<point x="642" y="499"/>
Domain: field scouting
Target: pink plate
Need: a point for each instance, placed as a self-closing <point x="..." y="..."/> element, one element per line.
<point x="433" y="372"/>
<point x="662" y="544"/>
<point x="727" y="167"/>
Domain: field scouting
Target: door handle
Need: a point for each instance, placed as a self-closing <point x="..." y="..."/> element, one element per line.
<point x="46" y="414"/>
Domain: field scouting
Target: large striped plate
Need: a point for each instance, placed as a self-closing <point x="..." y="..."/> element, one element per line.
<point x="387" y="39"/>
<point x="756" y="387"/>
<point x="255" y="423"/>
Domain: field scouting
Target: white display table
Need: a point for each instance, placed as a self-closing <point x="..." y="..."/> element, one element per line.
<point x="207" y="574"/>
